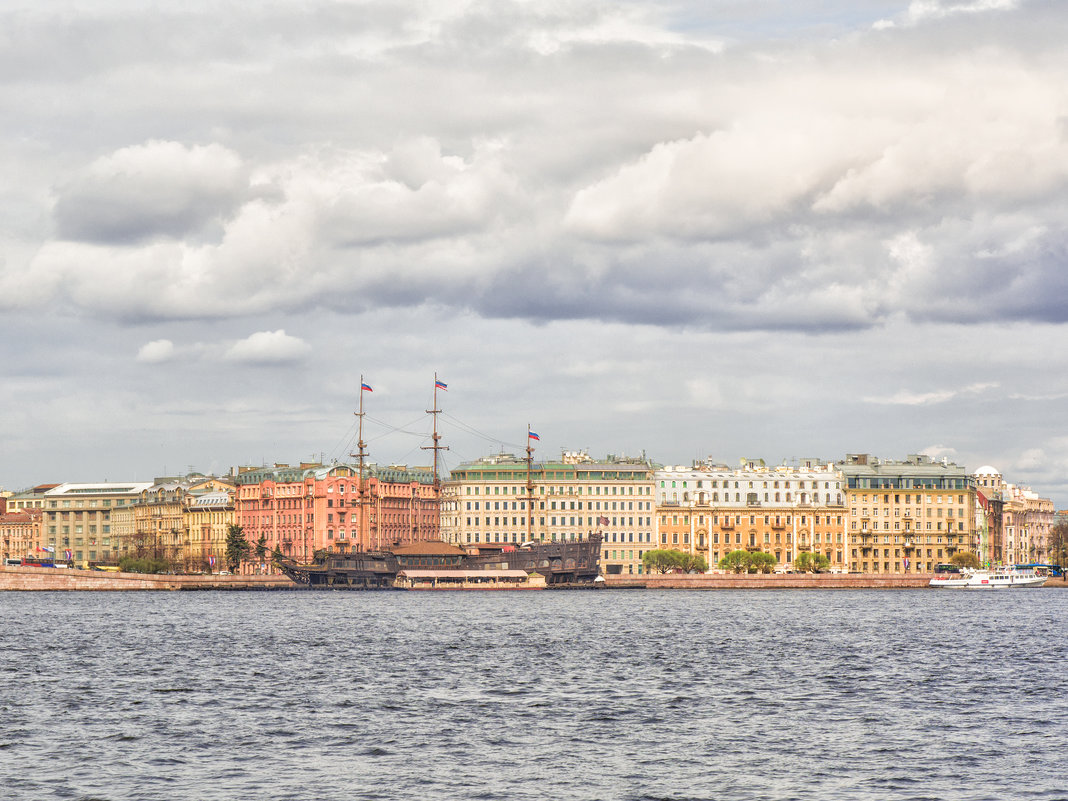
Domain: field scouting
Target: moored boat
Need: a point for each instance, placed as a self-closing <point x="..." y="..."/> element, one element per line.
<point x="993" y="578"/>
<point x="950" y="576"/>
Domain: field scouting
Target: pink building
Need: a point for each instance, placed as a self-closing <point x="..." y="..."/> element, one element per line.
<point x="301" y="510"/>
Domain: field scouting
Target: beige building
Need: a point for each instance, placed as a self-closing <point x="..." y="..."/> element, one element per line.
<point x="908" y="516"/>
<point x="487" y="505"/>
<point x="171" y="522"/>
<point x="77" y="519"/>
<point x="29" y="499"/>
<point x="208" y="516"/>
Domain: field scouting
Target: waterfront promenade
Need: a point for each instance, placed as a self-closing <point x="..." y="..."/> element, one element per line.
<point x="49" y="579"/>
<point x="52" y="579"/>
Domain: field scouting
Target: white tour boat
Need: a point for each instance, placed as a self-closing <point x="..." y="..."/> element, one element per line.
<point x="993" y="578"/>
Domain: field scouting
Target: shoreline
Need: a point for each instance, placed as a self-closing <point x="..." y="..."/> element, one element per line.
<point x="44" y="579"/>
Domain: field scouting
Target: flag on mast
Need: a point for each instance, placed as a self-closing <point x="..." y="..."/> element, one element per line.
<point x="441" y="385"/>
<point x="366" y="387"/>
<point x="532" y="435"/>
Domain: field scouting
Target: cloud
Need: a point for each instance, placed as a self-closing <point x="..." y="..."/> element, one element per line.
<point x="606" y="163"/>
<point x="156" y="352"/>
<point x="906" y="398"/>
<point x="145" y="191"/>
<point x="920" y="11"/>
<point x="940" y="452"/>
<point x="268" y="347"/>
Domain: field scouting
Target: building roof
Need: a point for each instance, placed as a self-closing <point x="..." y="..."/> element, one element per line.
<point x="106" y="488"/>
<point x="212" y="499"/>
<point x="463" y="574"/>
<point x="428" y="548"/>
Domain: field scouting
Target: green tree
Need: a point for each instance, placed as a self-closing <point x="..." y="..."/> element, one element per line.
<point x="261" y="547"/>
<point x="694" y="563"/>
<point x="735" y="561"/>
<point x="146" y="564"/>
<point x="662" y="560"/>
<point x="965" y="559"/>
<point x="761" y="562"/>
<point x="808" y="562"/>
<point x="237" y="546"/>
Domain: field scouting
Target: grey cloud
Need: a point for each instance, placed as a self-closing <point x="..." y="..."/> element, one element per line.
<point x="150" y="190"/>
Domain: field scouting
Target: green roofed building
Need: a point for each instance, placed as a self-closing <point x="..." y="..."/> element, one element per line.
<point x="489" y="505"/>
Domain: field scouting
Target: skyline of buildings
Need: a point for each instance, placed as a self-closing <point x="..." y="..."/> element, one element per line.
<point x="864" y="513"/>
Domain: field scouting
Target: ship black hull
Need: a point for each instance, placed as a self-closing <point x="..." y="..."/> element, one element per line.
<point x="563" y="564"/>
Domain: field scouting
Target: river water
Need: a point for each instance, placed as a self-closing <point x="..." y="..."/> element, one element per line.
<point x="542" y="695"/>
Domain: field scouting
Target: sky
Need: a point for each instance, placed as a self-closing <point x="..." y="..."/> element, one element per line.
<point x="722" y="229"/>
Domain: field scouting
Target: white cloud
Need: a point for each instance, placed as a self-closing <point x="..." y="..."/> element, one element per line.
<point x="156" y="352"/>
<point x="149" y="190"/>
<point x="906" y="398"/>
<point x="940" y="452"/>
<point x="268" y="347"/>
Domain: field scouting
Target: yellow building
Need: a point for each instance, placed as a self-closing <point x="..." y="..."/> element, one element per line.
<point x="908" y="516"/>
<point x="207" y="518"/>
<point x="711" y="510"/>
<point x="168" y="525"/>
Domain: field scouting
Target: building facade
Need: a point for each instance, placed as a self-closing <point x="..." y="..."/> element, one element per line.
<point x="20" y="533"/>
<point x="908" y="516"/>
<point x="496" y="502"/>
<point x="301" y="510"/>
<point x="1014" y="522"/>
<point x="77" y="519"/>
<point x="711" y="509"/>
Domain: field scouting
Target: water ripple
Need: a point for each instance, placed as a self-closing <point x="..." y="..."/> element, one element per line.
<point x="599" y="695"/>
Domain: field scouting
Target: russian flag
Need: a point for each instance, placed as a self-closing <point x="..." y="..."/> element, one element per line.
<point x="366" y="387"/>
<point x="532" y="435"/>
<point x="441" y="385"/>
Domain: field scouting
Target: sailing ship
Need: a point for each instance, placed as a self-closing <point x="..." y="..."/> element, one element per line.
<point x="550" y="564"/>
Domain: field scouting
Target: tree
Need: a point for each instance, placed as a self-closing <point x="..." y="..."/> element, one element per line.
<point x="1058" y="544"/>
<point x="147" y="564"/>
<point x="694" y="563"/>
<point x="965" y="559"/>
<point x="662" y="560"/>
<point x="808" y="562"/>
<point x="261" y="547"/>
<point x="735" y="561"/>
<point x="761" y="562"/>
<point x="237" y="546"/>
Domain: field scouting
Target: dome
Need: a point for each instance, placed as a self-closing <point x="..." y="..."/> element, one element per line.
<point x="987" y="470"/>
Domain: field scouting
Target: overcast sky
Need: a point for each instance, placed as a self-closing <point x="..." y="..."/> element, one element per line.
<point x="727" y="228"/>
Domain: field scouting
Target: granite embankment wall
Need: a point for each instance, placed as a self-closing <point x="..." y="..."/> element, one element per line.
<point x="46" y="578"/>
<point x="770" y="581"/>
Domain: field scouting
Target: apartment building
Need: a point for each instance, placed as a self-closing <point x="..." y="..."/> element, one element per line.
<point x="712" y="509"/>
<point x="908" y="516"/>
<point x="497" y="501"/>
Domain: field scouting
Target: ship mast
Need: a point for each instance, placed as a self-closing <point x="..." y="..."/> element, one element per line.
<point x="361" y="455"/>
<point x="435" y="436"/>
<point x="530" y="488"/>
